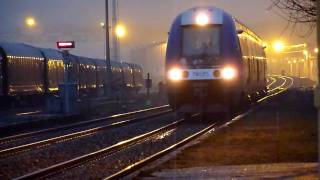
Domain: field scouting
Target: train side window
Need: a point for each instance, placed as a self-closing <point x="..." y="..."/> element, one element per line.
<point x="250" y="48"/>
<point x="245" y="46"/>
<point x="258" y="70"/>
<point x="249" y="71"/>
<point x="242" y="46"/>
<point x="255" y="47"/>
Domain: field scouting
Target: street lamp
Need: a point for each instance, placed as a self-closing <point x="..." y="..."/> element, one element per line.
<point x="102" y="24"/>
<point x="278" y="46"/>
<point x="30" y="22"/>
<point x="120" y="31"/>
<point x="316" y="50"/>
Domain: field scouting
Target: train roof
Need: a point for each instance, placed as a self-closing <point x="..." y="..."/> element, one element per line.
<point x="126" y="65"/>
<point x="135" y="66"/>
<point x="115" y="64"/>
<point x="100" y="62"/>
<point x="86" y="60"/>
<point x="20" y="49"/>
<point x="247" y="30"/>
<point x="52" y="54"/>
<point x="218" y="18"/>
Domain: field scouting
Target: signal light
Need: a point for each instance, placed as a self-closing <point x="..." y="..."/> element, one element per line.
<point x="66" y="44"/>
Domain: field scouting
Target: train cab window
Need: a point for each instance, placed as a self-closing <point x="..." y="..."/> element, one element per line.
<point x="204" y="41"/>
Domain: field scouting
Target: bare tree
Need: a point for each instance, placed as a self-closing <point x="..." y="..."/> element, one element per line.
<point x="297" y="11"/>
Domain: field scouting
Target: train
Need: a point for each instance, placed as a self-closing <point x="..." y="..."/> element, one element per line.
<point x="214" y="63"/>
<point x="27" y="72"/>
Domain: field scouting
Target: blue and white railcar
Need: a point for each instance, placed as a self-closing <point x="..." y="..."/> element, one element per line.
<point x="213" y="62"/>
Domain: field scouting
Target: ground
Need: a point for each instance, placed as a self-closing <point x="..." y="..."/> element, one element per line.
<point x="282" y="130"/>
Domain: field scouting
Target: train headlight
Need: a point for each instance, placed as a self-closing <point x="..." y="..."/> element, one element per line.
<point x="202" y="19"/>
<point x="229" y="73"/>
<point x="175" y="74"/>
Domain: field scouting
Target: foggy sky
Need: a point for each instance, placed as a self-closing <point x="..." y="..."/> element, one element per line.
<point x="146" y="21"/>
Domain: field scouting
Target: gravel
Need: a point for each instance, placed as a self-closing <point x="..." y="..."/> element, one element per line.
<point x="30" y="161"/>
<point x="106" y="166"/>
<point x="48" y="135"/>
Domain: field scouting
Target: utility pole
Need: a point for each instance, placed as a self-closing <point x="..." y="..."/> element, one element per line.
<point x="108" y="63"/>
<point x="115" y="18"/>
<point x="317" y="90"/>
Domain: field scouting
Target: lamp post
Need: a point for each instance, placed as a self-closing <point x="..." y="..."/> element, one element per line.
<point x="317" y="90"/>
<point x="107" y="50"/>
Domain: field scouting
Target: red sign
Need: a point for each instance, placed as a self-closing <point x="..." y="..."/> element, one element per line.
<point x="66" y="44"/>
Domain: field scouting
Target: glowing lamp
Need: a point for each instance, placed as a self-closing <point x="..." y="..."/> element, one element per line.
<point x="228" y="73"/>
<point x="30" y="21"/>
<point x="120" y="31"/>
<point x="175" y="74"/>
<point x="278" y="46"/>
<point x="102" y="24"/>
<point x="202" y="19"/>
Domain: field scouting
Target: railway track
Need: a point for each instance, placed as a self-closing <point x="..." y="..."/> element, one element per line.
<point x="47" y="172"/>
<point x="285" y="83"/>
<point x="63" y="169"/>
<point x="100" y="124"/>
<point x="138" y="165"/>
<point x="58" y="171"/>
<point x="40" y="154"/>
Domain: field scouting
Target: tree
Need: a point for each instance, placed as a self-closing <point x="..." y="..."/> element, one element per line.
<point x="297" y="11"/>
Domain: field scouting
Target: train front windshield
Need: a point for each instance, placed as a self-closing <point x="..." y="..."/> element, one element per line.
<point x="201" y="41"/>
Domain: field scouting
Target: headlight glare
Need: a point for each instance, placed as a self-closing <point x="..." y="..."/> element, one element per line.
<point x="175" y="74"/>
<point x="229" y="73"/>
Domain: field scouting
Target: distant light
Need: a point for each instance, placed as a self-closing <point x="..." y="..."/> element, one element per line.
<point x="316" y="50"/>
<point x="66" y="44"/>
<point x="120" y="31"/>
<point x="278" y="46"/>
<point x="30" y="21"/>
<point x="202" y="19"/>
<point x="102" y="24"/>
<point x="305" y="52"/>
